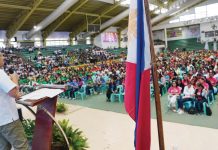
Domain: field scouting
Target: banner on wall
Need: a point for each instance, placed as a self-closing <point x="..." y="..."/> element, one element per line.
<point x="194" y="31"/>
<point x="110" y="37"/>
<point x="171" y="33"/>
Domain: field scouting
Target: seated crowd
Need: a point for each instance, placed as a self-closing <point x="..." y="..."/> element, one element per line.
<point x="96" y="78"/>
<point x="73" y="57"/>
<point x="190" y="77"/>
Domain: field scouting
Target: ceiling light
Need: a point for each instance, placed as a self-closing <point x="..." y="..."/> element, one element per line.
<point x="166" y="2"/>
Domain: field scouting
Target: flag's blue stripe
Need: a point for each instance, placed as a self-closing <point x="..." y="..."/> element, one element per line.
<point x="140" y="55"/>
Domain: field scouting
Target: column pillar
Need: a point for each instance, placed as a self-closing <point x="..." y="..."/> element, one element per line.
<point x="43" y="42"/>
<point x="165" y="37"/>
<point x="119" y="38"/>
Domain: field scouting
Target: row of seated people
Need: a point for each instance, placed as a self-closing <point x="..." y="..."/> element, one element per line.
<point x="95" y="84"/>
<point x="111" y="88"/>
<point x="196" y="92"/>
<point x="74" y="57"/>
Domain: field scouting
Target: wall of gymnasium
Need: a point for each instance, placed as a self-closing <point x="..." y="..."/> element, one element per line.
<point x="56" y="38"/>
<point x="178" y="33"/>
<point x="2" y="38"/>
<point x="62" y="37"/>
<point x="97" y="41"/>
<point x="204" y="26"/>
<point x="124" y="39"/>
<point x="181" y="37"/>
<point x="192" y="37"/>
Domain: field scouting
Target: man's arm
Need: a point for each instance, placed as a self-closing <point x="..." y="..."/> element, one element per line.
<point x="10" y="84"/>
<point x="15" y="91"/>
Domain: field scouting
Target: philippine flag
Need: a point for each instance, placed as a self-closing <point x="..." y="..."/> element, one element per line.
<point x="137" y="92"/>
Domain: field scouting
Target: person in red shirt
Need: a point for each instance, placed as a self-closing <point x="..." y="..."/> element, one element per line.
<point x="202" y="82"/>
<point x="212" y="80"/>
<point x="193" y="82"/>
<point x="185" y="80"/>
<point x="173" y="93"/>
<point x="170" y="74"/>
<point x="174" y="89"/>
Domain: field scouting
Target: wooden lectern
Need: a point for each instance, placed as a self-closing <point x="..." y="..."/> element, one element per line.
<point x="46" y="108"/>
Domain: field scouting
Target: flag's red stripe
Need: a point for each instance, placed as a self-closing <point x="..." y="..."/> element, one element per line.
<point x="143" y="125"/>
<point x="130" y="89"/>
<point x="144" y="116"/>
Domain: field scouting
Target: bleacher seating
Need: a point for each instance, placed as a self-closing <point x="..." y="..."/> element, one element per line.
<point x="117" y="51"/>
<point x="49" y="50"/>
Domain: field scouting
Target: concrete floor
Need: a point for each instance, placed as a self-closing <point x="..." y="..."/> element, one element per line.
<point x="99" y="102"/>
<point x="107" y="130"/>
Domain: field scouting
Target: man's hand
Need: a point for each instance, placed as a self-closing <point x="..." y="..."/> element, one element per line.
<point x="14" y="77"/>
<point x="19" y="94"/>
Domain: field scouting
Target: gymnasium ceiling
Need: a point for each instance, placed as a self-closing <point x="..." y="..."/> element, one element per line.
<point x="12" y="10"/>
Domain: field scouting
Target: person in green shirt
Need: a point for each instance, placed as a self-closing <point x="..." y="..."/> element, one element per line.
<point x="89" y="85"/>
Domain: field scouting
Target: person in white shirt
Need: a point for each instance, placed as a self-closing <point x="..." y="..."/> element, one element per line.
<point x="188" y="95"/>
<point x="11" y="129"/>
<point x="216" y="75"/>
<point x="189" y="91"/>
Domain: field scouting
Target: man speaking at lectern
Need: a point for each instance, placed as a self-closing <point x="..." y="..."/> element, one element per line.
<point x="11" y="129"/>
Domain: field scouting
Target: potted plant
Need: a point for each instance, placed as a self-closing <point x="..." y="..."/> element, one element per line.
<point x="75" y="137"/>
<point x="61" y="107"/>
<point x="29" y="126"/>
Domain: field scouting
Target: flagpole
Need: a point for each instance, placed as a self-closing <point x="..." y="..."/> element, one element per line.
<point x="155" y="80"/>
